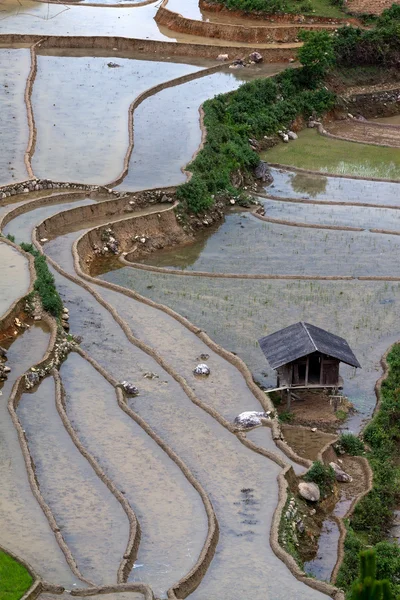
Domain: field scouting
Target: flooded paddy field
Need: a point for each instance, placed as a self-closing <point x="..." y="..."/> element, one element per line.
<point x="176" y="109"/>
<point x="245" y="245"/>
<point x="236" y="313"/>
<point x="103" y="88"/>
<point x="15" y="65"/>
<point x="319" y="153"/>
<point x="91" y="520"/>
<point x="25" y="529"/>
<point x="14" y="276"/>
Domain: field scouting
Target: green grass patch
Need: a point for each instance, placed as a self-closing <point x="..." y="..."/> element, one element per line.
<point x="323" y="8"/>
<point x="14" y="578"/>
<point x="318" y="153"/>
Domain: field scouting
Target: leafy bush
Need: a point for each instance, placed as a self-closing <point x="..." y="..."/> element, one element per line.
<point x="351" y="444"/>
<point x="44" y="284"/>
<point x="260" y="107"/>
<point x="368" y="587"/>
<point x="317" y="55"/>
<point x="323" y="476"/>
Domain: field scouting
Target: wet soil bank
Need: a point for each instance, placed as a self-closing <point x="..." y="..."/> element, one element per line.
<point x="240" y="33"/>
<point x="270" y="52"/>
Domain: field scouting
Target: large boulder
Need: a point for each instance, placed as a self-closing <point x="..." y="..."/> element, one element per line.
<point x="263" y="172"/>
<point x="250" y="419"/>
<point x="309" y="491"/>
<point x="3" y="353"/>
<point x="340" y="474"/>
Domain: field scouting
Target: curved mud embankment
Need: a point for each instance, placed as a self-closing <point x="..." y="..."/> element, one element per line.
<point x="270" y="52"/>
<point x="263" y="34"/>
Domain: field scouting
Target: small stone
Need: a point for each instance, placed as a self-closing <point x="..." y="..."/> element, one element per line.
<point x="313" y="429"/>
<point x="223" y="57"/>
<point x="129" y="388"/>
<point x="202" y="369"/>
<point x="43" y="240"/>
<point x="340" y="474"/>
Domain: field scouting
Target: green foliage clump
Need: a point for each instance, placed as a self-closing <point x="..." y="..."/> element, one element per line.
<point x="11" y="237"/>
<point x="373" y="515"/>
<point x="286" y="416"/>
<point x="260" y="107"/>
<point x="350" y="444"/>
<point x="266" y="6"/>
<point x="367" y="587"/>
<point x="15" y="580"/>
<point x="44" y="284"/>
<point x="323" y="476"/>
<point x="317" y="55"/>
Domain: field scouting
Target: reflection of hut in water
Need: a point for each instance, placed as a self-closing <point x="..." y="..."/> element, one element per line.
<point x="307" y="357"/>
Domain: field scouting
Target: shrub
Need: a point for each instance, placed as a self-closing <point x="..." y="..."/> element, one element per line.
<point x="44" y="284"/>
<point x="323" y="476"/>
<point x="317" y="55"/>
<point x="195" y="194"/>
<point x="367" y="587"/>
<point x="351" y="444"/>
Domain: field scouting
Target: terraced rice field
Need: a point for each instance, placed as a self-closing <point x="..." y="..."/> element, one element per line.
<point x="157" y="495"/>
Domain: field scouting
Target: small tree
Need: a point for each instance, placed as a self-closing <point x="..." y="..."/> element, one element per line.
<point x="367" y="587"/>
<point x="317" y="55"/>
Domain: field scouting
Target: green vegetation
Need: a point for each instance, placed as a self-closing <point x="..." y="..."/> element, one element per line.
<point x="44" y="284"/>
<point x="323" y="8"/>
<point x="258" y="108"/>
<point x="287" y="535"/>
<point x="367" y="587"/>
<point x="350" y="444"/>
<point x="11" y="237"/>
<point x="318" y="153"/>
<point x="286" y="416"/>
<point x="14" y="578"/>
<point x="323" y="476"/>
<point x="373" y="515"/>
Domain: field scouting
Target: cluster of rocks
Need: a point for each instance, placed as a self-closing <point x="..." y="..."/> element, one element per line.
<point x="36" y="185"/>
<point x="110" y="243"/>
<point x="251" y="419"/>
<point x="129" y="388"/>
<point x="286" y="135"/>
<point x="313" y="123"/>
<point x="149" y="197"/>
<point x="62" y="347"/>
<point x="253" y="58"/>
<point x="65" y="319"/>
<point x="4" y="370"/>
<point x="294" y="520"/>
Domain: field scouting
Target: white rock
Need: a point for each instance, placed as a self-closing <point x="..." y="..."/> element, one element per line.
<point x="285" y="138"/>
<point x="292" y="135"/>
<point x="222" y="56"/>
<point x="202" y="369"/>
<point x="309" y="491"/>
<point x="251" y="418"/>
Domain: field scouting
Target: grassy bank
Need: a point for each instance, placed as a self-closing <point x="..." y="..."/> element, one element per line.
<point x="318" y="153"/>
<point x="323" y="8"/>
<point x="259" y="108"/>
<point x="14" y="578"/>
<point x="374" y="513"/>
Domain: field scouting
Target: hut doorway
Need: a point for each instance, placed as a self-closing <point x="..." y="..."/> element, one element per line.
<point x="314" y="368"/>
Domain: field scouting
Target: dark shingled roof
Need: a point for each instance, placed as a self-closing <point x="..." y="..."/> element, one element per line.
<point x="301" y="339"/>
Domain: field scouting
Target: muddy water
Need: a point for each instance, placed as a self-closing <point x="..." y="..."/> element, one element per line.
<point x="319" y="187"/>
<point x="349" y="216"/>
<point x="182" y="349"/>
<point x="323" y="564"/>
<point x="244" y="244"/>
<point x="262" y="437"/>
<point x="170" y="512"/>
<point x="24" y="528"/>
<point x="91" y="520"/>
<point x="14" y="69"/>
<point x="89" y="145"/>
<point x="22" y="226"/>
<point x="306" y="443"/>
<point x="14" y="276"/>
<point x="176" y="109"/>
<point x="223" y="465"/>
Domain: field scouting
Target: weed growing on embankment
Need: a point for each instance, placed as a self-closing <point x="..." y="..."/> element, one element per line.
<point x="44" y="284"/>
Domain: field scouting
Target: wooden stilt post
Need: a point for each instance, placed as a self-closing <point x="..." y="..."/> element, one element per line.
<point x="288" y="399"/>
